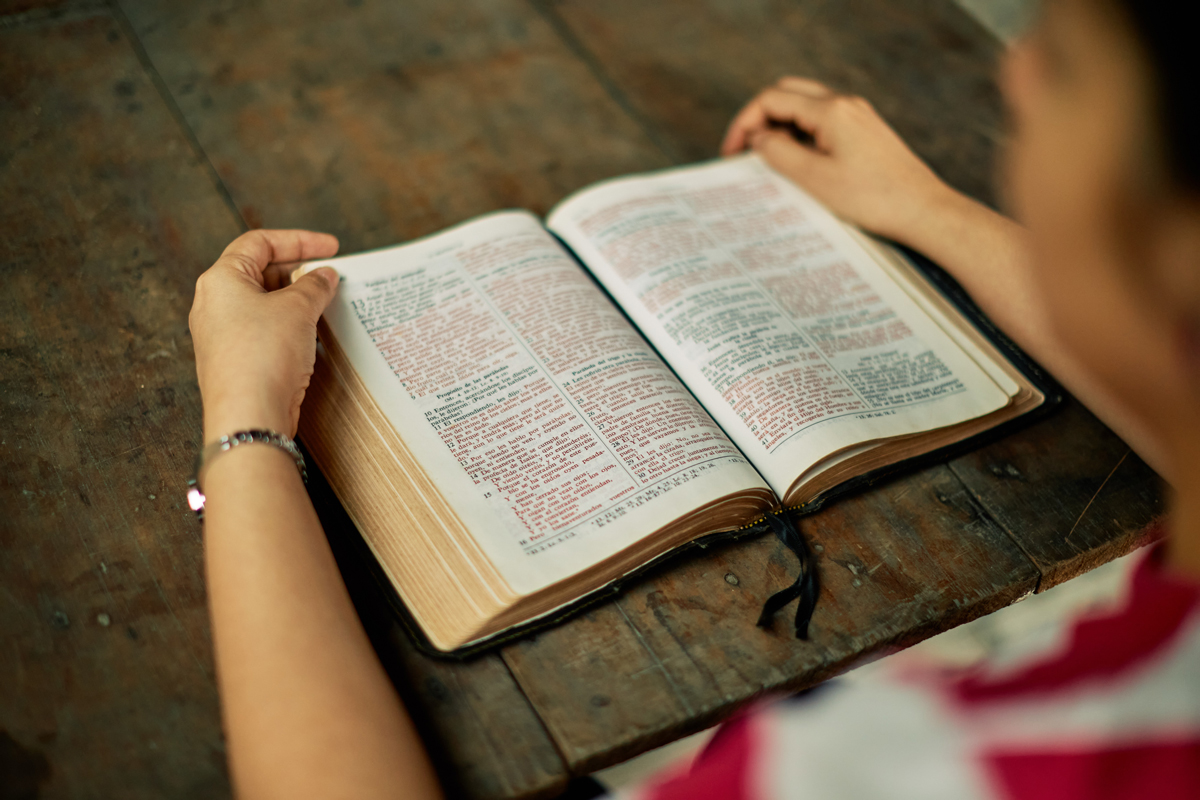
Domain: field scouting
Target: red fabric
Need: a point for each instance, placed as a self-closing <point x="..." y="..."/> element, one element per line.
<point x="1161" y="772"/>
<point x="1102" y="646"/>
<point x="720" y="771"/>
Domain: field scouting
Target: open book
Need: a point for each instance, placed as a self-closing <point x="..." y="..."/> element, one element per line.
<point x="516" y="415"/>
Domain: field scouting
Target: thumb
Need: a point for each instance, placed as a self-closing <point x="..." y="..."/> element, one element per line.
<point x="316" y="289"/>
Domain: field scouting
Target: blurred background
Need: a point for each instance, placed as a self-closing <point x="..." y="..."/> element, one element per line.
<point x="1005" y="18"/>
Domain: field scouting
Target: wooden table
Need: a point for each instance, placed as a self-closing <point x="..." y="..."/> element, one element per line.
<point x="138" y="137"/>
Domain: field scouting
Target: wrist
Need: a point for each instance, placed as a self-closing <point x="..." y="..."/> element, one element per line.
<point x="938" y="211"/>
<point x="258" y="465"/>
<point x="243" y="406"/>
<point x="226" y="419"/>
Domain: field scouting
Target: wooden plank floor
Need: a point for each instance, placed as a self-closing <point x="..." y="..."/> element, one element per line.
<point x="138" y="138"/>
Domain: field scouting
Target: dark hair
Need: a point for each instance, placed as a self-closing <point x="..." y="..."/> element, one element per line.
<point x="1170" y="43"/>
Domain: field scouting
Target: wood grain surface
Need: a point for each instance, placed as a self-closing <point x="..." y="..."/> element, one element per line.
<point x="685" y="67"/>
<point x="1068" y="490"/>
<point x="106" y="220"/>
<point x="140" y="137"/>
<point x="379" y="122"/>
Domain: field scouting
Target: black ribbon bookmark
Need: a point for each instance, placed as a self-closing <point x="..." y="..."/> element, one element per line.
<point x="805" y="587"/>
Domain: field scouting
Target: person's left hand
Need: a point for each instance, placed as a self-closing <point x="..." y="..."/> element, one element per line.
<point x="855" y="163"/>
<point x="256" y="342"/>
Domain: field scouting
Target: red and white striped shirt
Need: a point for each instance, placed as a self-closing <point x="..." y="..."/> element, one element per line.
<point x="1108" y="710"/>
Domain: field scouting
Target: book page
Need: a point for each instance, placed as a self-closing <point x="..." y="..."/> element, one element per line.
<point x="898" y="265"/>
<point x="788" y="331"/>
<point x="537" y="409"/>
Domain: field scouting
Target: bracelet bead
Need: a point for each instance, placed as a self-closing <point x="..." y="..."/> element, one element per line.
<point x="195" y="495"/>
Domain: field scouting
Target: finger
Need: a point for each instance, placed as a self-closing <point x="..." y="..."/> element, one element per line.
<point x="792" y="83"/>
<point x="750" y="119"/>
<point x="785" y="154"/>
<point x="315" y="290"/>
<point x="253" y="251"/>
<point x="777" y="105"/>
<point x="278" y="274"/>
<point x="805" y="111"/>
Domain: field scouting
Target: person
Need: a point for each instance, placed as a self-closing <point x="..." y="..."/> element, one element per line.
<point x="1100" y="283"/>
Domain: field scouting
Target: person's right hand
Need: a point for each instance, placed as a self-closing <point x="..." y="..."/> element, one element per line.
<point x="856" y="165"/>
<point x="255" y="338"/>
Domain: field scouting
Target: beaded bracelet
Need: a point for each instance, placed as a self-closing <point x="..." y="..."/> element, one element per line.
<point x="195" y="495"/>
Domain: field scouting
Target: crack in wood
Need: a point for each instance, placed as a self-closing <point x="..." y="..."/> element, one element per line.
<point x="675" y="690"/>
<point x="1094" y="496"/>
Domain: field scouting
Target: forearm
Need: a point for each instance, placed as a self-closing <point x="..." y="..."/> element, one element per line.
<point x="308" y="708"/>
<point x="990" y="256"/>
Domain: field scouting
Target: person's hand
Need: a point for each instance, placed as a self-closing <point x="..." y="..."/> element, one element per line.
<point x="855" y="164"/>
<point x="255" y="341"/>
